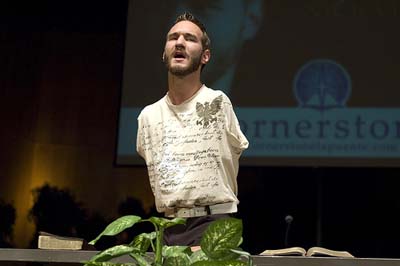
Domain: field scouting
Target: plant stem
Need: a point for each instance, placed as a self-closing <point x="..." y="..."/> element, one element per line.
<point x="159" y="239"/>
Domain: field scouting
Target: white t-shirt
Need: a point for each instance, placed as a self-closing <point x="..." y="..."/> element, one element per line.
<point x="191" y="150"/>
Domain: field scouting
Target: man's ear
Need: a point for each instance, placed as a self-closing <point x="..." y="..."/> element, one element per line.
<point x="253" y="19"/>
<point x="163" y="56"/>
<point x="205" y="57"/>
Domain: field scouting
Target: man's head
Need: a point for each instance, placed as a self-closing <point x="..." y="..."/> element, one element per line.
<point x="187" y="46"/>
<point x="205" y="40"/>
<point x="230" y="23"/>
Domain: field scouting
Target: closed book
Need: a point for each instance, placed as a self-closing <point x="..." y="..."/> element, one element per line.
<point x="51" y="241"/>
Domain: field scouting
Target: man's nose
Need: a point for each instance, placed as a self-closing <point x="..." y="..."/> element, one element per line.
<point x="180" y="41"/>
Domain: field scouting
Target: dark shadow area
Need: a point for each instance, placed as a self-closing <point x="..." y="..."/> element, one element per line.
<point x="7" y="220"/>
<point x="55" y="211"/>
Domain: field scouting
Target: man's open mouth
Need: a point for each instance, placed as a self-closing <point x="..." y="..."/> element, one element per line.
<point x="179" y="55"/>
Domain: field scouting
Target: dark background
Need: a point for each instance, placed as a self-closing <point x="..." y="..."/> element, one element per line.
<point x="61" y="71"/>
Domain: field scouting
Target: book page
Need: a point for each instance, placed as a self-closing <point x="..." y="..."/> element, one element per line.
<point x="293" y="251"/>
<point x="319" y="251"/>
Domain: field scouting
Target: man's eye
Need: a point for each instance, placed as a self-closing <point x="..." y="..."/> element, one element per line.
<point x="191" y="38"/>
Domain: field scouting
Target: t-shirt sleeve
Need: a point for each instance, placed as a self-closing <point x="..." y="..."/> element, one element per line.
<point x="139" y="138"/>
<point x="235" y="135"/>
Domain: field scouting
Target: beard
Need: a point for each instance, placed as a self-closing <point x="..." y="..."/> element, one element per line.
<point x="182" y="71"/>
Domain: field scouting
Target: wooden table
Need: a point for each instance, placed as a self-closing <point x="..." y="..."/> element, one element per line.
<point x="69" y="257"/>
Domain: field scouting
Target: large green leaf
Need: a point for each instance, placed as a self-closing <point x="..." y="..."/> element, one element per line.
<point x="221" y="236"/>
<point x="113" y="252"/>
<point x="220" y="263"/>
<point x="117" y="226"/>
<point x="165" y="223"/>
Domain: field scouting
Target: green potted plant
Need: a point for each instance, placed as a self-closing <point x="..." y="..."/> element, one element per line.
<point x="219" y="245"/>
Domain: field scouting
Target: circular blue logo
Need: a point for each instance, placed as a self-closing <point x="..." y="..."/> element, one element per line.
<point x="322" y="84"/>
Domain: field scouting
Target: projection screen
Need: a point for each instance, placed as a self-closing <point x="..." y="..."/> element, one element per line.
<point x="313" y="83"/>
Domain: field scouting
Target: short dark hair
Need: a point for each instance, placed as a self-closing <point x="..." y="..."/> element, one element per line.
<point x="205" y="40"/>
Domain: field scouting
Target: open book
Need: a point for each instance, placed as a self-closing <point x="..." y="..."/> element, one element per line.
<point x="50" y="241"/>
<point x="299" y="251"/>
